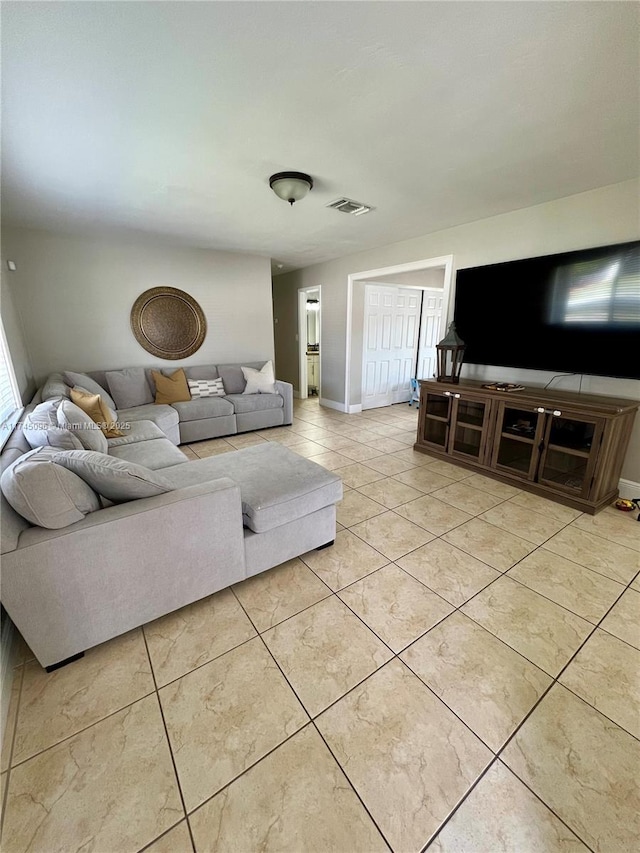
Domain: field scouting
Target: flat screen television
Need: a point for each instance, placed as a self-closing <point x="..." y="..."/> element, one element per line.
<point x="576" y="312"/>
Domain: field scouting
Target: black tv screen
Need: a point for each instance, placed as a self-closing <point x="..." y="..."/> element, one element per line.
<point x="576" y="312"/>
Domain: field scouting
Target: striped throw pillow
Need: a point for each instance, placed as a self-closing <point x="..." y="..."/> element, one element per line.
<point x="206" y="388"/>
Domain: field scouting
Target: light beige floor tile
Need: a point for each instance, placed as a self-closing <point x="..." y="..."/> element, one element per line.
<point x="488" y="543"/>
<point x="398" y="608"/>
<point x="415" y="457"/>
<point x="434" y="515"/>
<point x="488" y="685"/>
<point x="12" y="715"/>
<point x="3" y="788"/>
<point x="356" y="474"/>
<point x="385" y="445"/>
<point x="389" y="465"/>
<point x="404" y="752"/>
<point x="537" y="503"/>
<point x="331" y="460"/>
<point x="387" y="430"/>
<point x="248" y="439"/>
<point x="309" y="431"/>
<point x="360" y="452"/>
<point x="624" y="619"/>
<point x="286" y="439"/>
<point x="584" y="767"/>
<point x="308" y="449"/>
<point x="189" y="453"/>
<point x="447" y="570"/>
<point x="389" y="492"/>
<point x="584" y="592"/>
<point x="58" y="704"/>
<point x="193" y="635"/>
<point x="212" y="447"/>
<point x="392" y="535"/>
<point x="110" y="788"/>
<point x="354" y="508"/>
<point x="545" y="633"/>
<point x="177" y="840"/>
<point x="447" y="469"/>
<point x="336" y="442"/>
<point x="494" y="487"/>
<point x="324" y="652"/>
<point x="501" y="815"/>
<point x="611" y="524"/>
<point x="424" y="479"/>
<point x="465" y="497"/>
<point x="277" y="594"/>
<point x="615" y="561"/>
<point x="348" y="560"/>
<point x="297" y="800"/>
<point x="236" y="709"/>
<point x="531" y="526"/>
<point x="606" y="674"/>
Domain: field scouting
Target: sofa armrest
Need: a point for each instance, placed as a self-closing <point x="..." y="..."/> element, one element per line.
<point x="70" y="589"/>
<point x="286" y="390"/>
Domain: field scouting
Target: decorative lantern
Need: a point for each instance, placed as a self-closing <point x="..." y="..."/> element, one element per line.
<point x="450" y="355"/>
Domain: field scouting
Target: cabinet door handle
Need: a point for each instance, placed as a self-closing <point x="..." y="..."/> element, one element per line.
<point x="457" y="396"/>
<point x="447" y="393"/>
<point x="543" y="411"/>
<point x="540" y="410"/>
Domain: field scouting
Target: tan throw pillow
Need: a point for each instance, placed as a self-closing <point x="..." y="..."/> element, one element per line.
<point x="94" y="406"/>
<point x="171" y="389"/>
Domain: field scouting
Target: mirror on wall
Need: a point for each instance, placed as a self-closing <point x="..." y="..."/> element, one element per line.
<point x="313" y="326"/>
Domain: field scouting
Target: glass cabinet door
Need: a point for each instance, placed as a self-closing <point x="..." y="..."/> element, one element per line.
<point x="470" y="419"/>
<point x="567" y="461"/>
<point x="519" y="433"/>
<point x="435" y="430"/>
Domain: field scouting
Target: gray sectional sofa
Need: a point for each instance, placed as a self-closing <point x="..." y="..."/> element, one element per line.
<point x="201" y="418"/>
<point x="70" y="586"/>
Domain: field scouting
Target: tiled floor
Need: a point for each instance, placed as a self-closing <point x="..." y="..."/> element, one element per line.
<point x="460" y="672"/>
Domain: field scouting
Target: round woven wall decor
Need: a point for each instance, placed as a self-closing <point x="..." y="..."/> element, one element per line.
<point x="168" y="322"/>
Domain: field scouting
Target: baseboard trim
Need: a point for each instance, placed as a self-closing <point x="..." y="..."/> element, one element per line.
<point x="629" y="489"/>
<point x="355" y="410"/>
<point x="331" y="404"/>
<point x="8" y="639"/>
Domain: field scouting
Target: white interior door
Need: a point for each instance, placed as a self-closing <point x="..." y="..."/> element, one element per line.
<point x="391" y="325"/>
<point x="430" y="334"/>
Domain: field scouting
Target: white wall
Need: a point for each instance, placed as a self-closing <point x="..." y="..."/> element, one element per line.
<point x="16" y="339"/>
<point x="75" y="294"/>
<point x="598" y="217"/>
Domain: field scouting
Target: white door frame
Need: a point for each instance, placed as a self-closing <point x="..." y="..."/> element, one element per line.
<point x="303" y="390"/>
<point x="445" y="261"/>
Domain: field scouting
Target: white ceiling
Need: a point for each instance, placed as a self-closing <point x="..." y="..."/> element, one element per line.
<point x="169" y="117"/>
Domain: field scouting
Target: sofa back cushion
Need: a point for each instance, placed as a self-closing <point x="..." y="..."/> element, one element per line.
<point x="12" y="523"/>
<point x="200" y="371"/>
<point x="85" y="429"/>
<point x="83" y="380"/>
<point x="40" y="428"/>
<point x="233" y="377"/>
<point x="129" y="387"/>
<point x="45" y="493"/>
<point x="55" y="387"/>
<point x="113" y="478"/>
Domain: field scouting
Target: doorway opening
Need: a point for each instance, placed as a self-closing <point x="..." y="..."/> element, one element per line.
<point x="395" y="317"/>
<point x="309" y="341"/>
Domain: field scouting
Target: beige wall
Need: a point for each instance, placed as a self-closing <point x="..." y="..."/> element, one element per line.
<point x="75" y="294"/>
<point x="16" y="339"/>
<point x="599" y="217"/>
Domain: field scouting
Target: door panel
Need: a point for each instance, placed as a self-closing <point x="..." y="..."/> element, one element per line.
<point x="392" y="317"/>
<point x="430" y="334"/>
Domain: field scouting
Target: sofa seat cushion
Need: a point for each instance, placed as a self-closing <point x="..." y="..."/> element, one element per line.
<point x="203" y="407"/>
<point x="155" y="454"/>
<point x="276" y="485"/>
<point x="245" y="403"/>
<point x="137" y="431"/>
<point x="164" y="417"/>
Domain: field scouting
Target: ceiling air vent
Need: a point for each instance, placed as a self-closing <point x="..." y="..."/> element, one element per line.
<point x="348" y="205"/>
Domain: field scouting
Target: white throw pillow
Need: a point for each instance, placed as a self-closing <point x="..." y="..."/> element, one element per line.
<point x="113" y="478"/>
<point x="87" y="431"/>
<point x="206" y="388"/>
<point x="260" y="381"/>
<point x="45" y="493"/>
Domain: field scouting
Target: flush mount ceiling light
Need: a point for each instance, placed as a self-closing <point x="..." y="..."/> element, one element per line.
<point x="291" y="186"/>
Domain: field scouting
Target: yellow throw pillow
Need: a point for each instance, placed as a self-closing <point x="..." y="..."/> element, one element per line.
<point x="171" y="389"/>
<point x="99" y="412"/>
